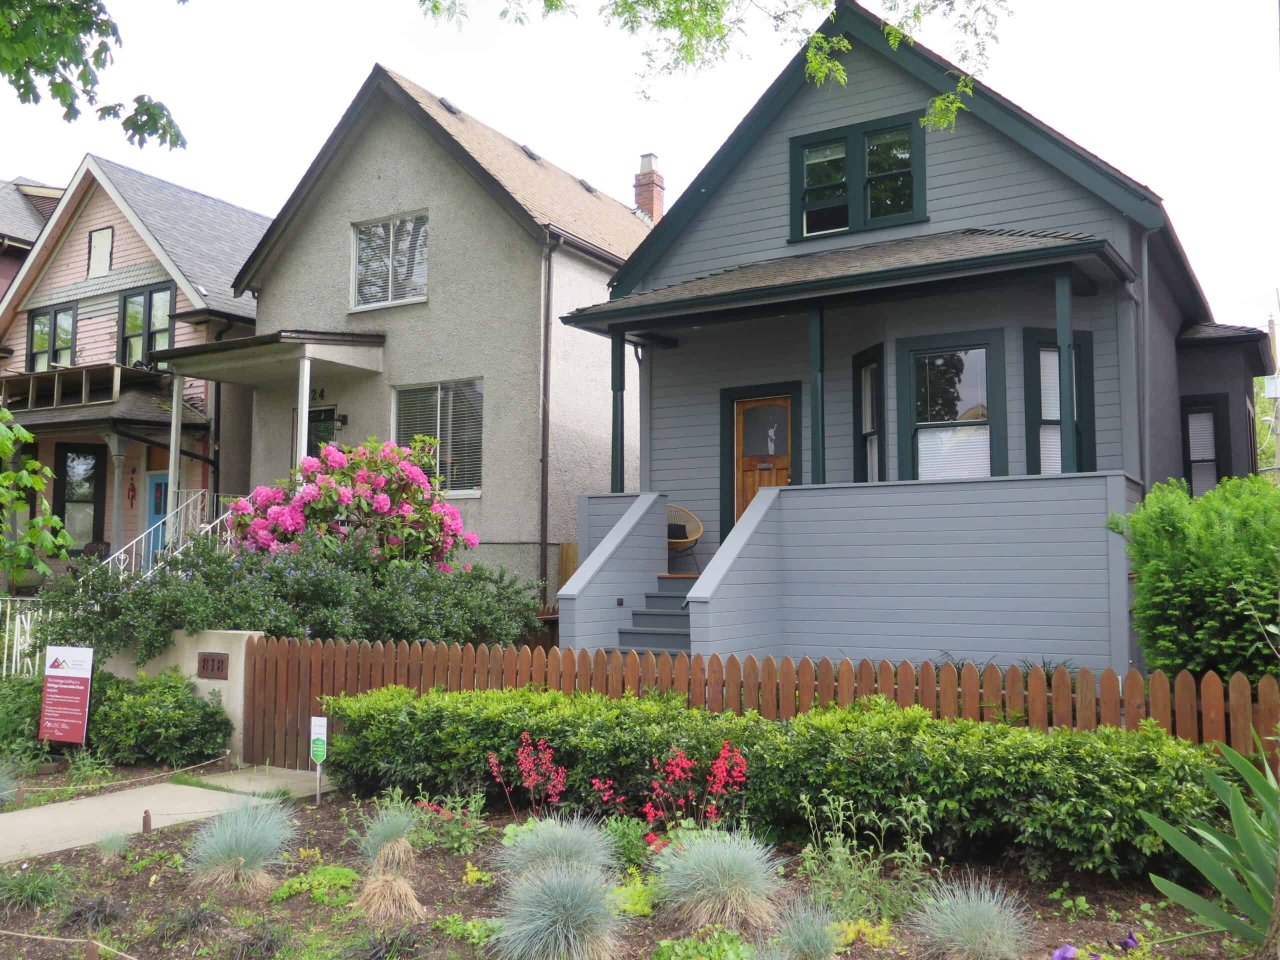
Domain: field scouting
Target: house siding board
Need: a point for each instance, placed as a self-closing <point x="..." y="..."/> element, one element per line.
<point x="1021" y="570"/>
<point x="1164" y="417"/>
<point x="682" y="399"/>
<point x="976" y="177"/>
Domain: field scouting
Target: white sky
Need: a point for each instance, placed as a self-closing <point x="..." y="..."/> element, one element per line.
<point x="1178" y="97"/>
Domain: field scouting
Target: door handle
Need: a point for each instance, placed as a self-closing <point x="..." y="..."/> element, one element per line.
<point x="764" y="466"/>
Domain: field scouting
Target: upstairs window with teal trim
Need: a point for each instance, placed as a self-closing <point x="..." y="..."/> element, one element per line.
<point x="858" y="177"/>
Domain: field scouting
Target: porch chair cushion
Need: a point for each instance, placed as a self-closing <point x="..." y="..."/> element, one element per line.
<point x="684" y="529"/>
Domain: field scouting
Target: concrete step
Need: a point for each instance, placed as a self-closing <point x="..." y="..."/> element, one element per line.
<point x="663" y="601"/>
<point x="656" y="639"/>
<point x="667" y="619"/>
<point x="676" y="583"/>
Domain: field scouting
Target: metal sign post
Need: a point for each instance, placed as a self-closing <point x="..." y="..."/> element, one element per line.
<point x="319" y="747"/>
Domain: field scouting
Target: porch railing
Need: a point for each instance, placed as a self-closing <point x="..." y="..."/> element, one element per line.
<point x="198" y="512"/>
<point x="20" y="618"/>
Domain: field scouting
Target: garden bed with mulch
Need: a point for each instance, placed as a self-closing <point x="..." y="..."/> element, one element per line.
<point x="150" y="905"/>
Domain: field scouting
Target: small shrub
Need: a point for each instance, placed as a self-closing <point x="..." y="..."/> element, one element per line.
<point x="574" y="841"/>
<point x="387" y="899"/>
<point x="557" y="912"/>
<point x="91" y="912"/>
<point x="634" y="896"/>
<point x="453" y="823"/>
<point x="327" y="885"/>
<point x="385" y="840"/>
<point x="1203" y="569"/>
<point x="262" y="942"/>
<point x="113" y="847"/>
<point x="808" y="932"/>
<point x="159" y="719"/>
<point x="473" y="876"/>
<point x="192" y="920"/>
<point x="87" y="768"/>
<point x="34" y="888"/>
<point x="710" y="943"/>
<point x="474" y="932"/>
<point x="628" y="835"/>
<point x="971" y="918"/>
<point x="719" y="878"/>
<point x="384" y="946"/>
<point x="235" y="848"/>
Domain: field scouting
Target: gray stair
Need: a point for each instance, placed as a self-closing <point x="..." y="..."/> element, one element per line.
<point x="662" y="626"/>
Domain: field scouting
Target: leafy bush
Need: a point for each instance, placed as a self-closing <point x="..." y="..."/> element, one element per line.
<point x="572" y="841"/>
<point x="1067" y="799"/>
<point x="328" y="885"/>
<point x="320" y="591"/>
<point x="710" y="943"/>
<point x="19" y="709"/>
<point x="455" y="824"/>
<point x="971" y="918"/>
<point x="807" y="932"/>
<point x="634" y="896"/>
<point x="713" y="877"/>
<point x="628" y="834"/>
<point x="159" y="718"/>
<point x="235" y="848"/>
<point x="557" y="912"/>
<point x="1205" y="570"/>
<point x="474" y="932"/>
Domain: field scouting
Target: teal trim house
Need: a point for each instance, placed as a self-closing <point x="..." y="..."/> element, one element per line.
<point x="901" y="377"/>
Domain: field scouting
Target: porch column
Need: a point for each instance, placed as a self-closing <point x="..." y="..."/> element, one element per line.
<point x="817" y="398"/>
<point x="117" y="445"/>
<point x="175" y="455"/>
<point x="304" y="408"/>
<point x="617" y="472"/>
<point x="1066" y="372"/>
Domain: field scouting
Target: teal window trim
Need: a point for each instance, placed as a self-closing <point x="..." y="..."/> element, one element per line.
<point x="869" y="357"/>
<point x="728" y="468"/>
<point x="1219" y="404"/>
<point x="854" y="138"/>
<point x="1035" y="339"/>
<point x="50" y="353"/>
<point x="997" y="400"/>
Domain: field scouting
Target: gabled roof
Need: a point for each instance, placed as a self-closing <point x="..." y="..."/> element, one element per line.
<point x="198" y="240"/>
<point x="1127" y="195"/>
<point x="20" y="219"/>
<point x="541" y="195"/>
<point x="207" y="238"/>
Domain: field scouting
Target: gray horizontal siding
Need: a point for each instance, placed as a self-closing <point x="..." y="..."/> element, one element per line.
<point x="975" y="178"/>
<point x="597" y="513"/>
<point x="623" y="565"/>
<point x="995" y="570"/>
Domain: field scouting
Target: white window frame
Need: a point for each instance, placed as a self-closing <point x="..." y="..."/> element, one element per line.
<point x="105" y="269"/>
<point x="352" y="306"/>
<point x="471" y="493"/>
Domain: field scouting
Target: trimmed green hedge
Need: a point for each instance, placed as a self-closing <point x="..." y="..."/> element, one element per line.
<point x="1069" y="800"/>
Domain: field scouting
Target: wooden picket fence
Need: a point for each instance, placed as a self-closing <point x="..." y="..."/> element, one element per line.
<point x="284" y="679"/>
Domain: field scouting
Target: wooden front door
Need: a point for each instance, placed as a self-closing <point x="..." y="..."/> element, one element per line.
<point x="762" y="447"/>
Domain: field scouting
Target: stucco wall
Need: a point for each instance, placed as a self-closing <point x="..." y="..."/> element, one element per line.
<point x="482" y="317"/>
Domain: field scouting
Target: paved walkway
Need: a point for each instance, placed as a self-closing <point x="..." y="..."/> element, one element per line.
<point x="75" y="823"/>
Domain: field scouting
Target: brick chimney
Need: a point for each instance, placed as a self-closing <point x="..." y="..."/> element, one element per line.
<point x="649" y="188"/>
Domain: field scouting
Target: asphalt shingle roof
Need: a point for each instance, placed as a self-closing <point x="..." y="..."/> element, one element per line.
<point x="18" y="216"/>
<point x="1220" y="331"/>
<point x="938" y="249"/>
<point x="208" y="239"/>
<point x="551" y="196"/>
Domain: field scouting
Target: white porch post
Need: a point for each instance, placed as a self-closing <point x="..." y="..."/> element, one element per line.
<point x="304" y="407"/>
<point x="175" y="456"/>
<point x="117" y="444"/>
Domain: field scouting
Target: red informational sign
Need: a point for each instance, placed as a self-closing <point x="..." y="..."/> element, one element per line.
<point x="64" y="715"/>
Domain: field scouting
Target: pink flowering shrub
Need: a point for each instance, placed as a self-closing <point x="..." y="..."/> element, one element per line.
<point x="539" y="774"/>
<point x="382" y="496"/>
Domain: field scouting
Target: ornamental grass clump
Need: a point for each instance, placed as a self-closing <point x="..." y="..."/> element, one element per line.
<point x="971" y="918"/>
<point x="557" y="912"/>
<point x="387" y="899"/>
<point x="574" y="841"/>
<point x="720" y="878"/>
<point x="807" y="931"/>
<point x="385" y="842"/>
<point x="233" y="851"/>
<point x="8" y="783"/>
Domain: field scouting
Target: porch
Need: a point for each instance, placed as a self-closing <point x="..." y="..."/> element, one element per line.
<point x="908" y="448"/>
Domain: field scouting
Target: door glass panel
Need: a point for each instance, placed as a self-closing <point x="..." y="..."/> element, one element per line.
<point x="78" y="519"/>
<point x="766" y="430"/>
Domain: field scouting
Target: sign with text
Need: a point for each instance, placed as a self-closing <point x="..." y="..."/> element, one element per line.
<point x="64" y="712"/>
<point x="319" y="739"/>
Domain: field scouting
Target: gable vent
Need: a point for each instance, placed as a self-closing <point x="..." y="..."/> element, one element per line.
<point x="530" y="154"/>
<point x="450" y="107"/>
<point x="586" y="186"/>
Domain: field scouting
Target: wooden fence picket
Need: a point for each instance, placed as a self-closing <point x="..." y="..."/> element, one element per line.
<point x="733" y="685"/>
<point x="948" y="692"/>
<point x="1135" y="699"/>
<point x="1086" y="700"/>
<point x="715" y="685"/>
<point x="992" y="693"/>
<point x="1161" y="700"/>
<point x="786" y="689"/>
<point x="1240" y="713"/>
<point x="928" y="684"/>
<point x="906" y="682"/>
<point x="826" y="682"/>
<point x="1213" y="716"/>
<point x="846" y="686"/>
<point x="1061" y="697"/>
<point x="1015" y="696"/>
<point x="1037" y="699"/>
<point x="1110" y="698"/>
<point x="806" y="685"/>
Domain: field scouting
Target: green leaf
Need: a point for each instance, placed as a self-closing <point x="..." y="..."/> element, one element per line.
<point x="1221" y="878"/>
<point x="1208" y="913"/>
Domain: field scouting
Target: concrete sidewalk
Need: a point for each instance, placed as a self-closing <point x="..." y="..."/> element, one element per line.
<point x="75" y="823"/>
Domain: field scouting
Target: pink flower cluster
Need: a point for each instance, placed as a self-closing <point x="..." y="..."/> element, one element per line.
<point x="379" y="494"/>
<point x="540" y="775"/>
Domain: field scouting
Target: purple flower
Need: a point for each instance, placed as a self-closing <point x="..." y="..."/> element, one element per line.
<point x="1128" y="943"/>
<point x="1066" y="952"/>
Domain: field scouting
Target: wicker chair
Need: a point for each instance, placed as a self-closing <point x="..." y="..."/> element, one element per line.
<point x="680" y="520"/>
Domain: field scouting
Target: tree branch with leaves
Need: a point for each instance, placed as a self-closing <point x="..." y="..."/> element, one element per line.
<point x="26" y="544"/>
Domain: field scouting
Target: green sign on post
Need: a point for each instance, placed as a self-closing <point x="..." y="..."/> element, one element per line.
<point x="319" y="739"/>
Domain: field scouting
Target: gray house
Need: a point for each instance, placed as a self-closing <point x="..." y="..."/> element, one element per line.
<point x="901" y="378"/>
<point x="410" y="285"/>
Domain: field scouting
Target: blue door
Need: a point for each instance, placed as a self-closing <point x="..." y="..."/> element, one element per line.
<point x="157" y="500"/>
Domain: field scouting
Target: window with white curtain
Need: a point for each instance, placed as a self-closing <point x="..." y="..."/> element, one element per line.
<point x="868" y="415"/>
<point x="1203" y="449"/>
<point x="453" y="414"/>
<point x="390" y="261"/>
<point x="952" y="419"/>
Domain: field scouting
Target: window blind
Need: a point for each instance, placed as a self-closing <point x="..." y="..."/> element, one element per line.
<point x="1204" y="452"/>
<point x="391" y="260"/>
<point x="945" y="453"/>
<point x="452" y="413"/>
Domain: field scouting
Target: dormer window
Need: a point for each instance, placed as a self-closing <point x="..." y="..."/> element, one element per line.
<point x="858" y="177"/>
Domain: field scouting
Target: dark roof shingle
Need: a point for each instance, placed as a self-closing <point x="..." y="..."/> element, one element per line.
<point x="19" y="218"/>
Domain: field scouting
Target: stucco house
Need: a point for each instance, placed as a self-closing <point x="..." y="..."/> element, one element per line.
<point x="127" y="266"/>
<point x="902" y="378"/>
<point x="410" y="285"/>
<point x="25" y="205"/>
